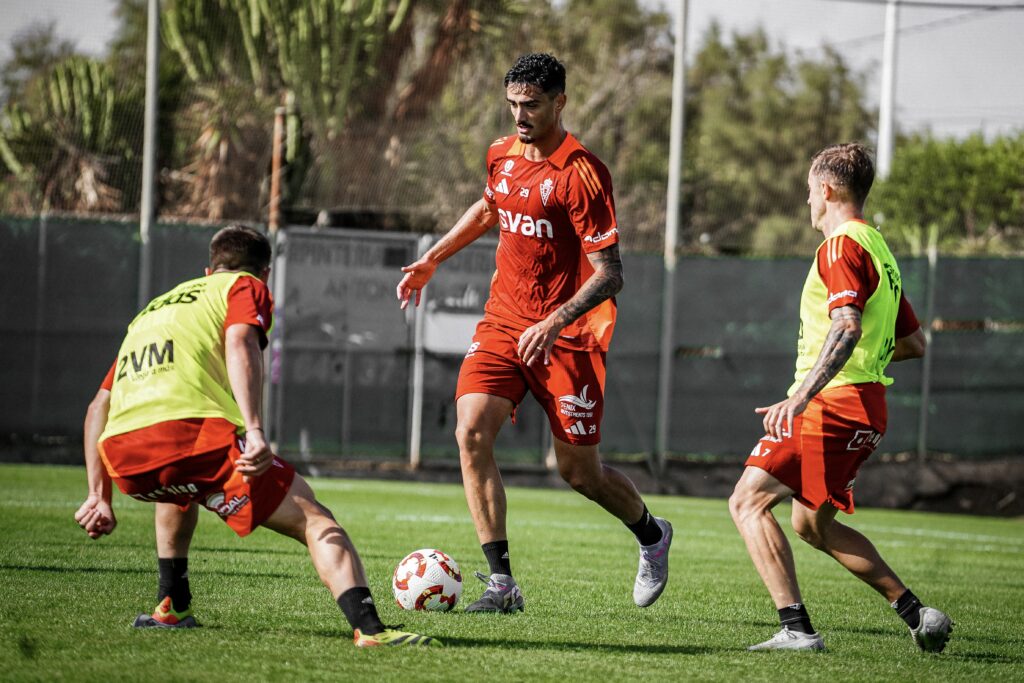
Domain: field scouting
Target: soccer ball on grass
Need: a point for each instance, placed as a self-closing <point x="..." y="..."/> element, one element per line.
<point x="428" y="580"/>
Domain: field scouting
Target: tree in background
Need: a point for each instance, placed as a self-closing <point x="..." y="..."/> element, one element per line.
<point x="619" y="61"/>
<point x="755" y="116"/>
<point x="392" y="102"/>
<point x="969" y="193"/>
<point x="66" y="143"/>
<point x="34" y="51"/>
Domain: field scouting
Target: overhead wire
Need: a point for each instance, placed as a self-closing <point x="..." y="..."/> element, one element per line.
<point x="937" y="4"/>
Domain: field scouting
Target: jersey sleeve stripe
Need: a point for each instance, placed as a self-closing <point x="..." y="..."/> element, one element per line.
<point x="587" y="180"/>
<point x="835" y="249"/>
<point x="592" y="174"/>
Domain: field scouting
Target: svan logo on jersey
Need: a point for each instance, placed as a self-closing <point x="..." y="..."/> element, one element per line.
<point x="522" y="224"/>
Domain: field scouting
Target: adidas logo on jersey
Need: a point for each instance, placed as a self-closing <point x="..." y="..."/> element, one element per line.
<point x="580" y="429"/>
<point x="502" y="187"/>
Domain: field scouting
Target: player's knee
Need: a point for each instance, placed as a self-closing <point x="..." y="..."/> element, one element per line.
<point x="736" y="509"/>
<point x="579" y="478"/>
<point x="808" y="532"/>
<point x="471" y="439"/>
<point x="745" y="505"/>
<point x="737" y="504"/>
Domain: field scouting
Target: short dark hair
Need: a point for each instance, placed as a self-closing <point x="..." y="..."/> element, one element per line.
<point x="239" y="247"/>
<point x="847" y="167"/>
<point x="539" y="69"/>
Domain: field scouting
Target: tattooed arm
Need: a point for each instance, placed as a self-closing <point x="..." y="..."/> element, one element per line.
<point x="535" y="343"/>
<point x="842" y="338"/>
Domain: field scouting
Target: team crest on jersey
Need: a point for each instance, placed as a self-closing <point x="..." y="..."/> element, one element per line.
<point x="508" y="167"/>
<point x="545" y="190"/>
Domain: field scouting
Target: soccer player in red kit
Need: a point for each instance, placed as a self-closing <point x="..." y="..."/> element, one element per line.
<point x="178" y="422"/>
<point x="547" y="324"/>
<point x="854" y="321"/>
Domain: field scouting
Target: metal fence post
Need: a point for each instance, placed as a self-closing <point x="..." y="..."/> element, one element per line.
<point x="926" y="369"/>
<point x="147" y="209"/>
<point x="40" y="322"/>
<point x="416" y="393"/>
<point x="277" y="348"/>
<point x="675" y="180"/>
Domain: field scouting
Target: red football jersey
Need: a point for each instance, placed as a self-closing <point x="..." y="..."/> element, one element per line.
<point x="552" y="213"/>
<point x="851" y="278"/>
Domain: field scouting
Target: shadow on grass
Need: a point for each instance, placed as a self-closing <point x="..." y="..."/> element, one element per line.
<point x="298" y="550"/>
<point x="132" y="570"/>
<point x="986" y="657"/>
<point x="609" y="648"/>
<point x="117" y="544"/>
<point x="825" y="629"/>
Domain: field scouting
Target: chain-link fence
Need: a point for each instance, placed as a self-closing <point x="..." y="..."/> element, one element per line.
<point x="343" y="358"/>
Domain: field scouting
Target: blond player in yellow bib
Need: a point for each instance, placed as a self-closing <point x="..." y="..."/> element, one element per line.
<point x="854" y="321"/>
<point x="178" y="422"/>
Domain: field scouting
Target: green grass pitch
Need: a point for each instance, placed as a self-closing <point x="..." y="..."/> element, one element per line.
<point x="66" y="602"/>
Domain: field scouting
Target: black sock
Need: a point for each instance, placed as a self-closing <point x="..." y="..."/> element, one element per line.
<point x="909" y="608"/>
<point x="357" y="604"/>
<point x="646" y="529"/>
<point x="496" y="553"/>
<point x="174" y="582"/>
<point x="796" y="618"/>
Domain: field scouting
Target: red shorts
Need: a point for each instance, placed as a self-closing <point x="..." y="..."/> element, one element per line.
<point x="211" y="480"/>
<point x="837" y="432"/>
<point x="570" y="389"/>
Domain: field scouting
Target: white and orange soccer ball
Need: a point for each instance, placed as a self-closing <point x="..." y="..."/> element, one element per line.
<point x="427" y="579"/>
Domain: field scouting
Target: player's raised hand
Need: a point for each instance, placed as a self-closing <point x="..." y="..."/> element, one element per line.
<point x="417" y="275"/>
<point x="778" y="417"/>
<point x="535" y="342"/>
<point x="257" y="457"/>
<point x="96" y="517"/>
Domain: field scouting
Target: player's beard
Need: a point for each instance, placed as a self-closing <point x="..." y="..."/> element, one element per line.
<point x="527" y="136"/>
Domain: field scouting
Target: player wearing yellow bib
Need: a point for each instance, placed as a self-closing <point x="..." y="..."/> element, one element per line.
<point x="178" y="422"/>
<point x="854" y="321"/>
